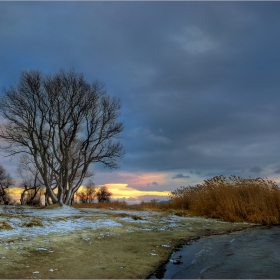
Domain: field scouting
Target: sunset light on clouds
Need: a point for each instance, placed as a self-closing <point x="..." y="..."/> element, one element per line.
<point x="137" y="187"/>
<point x="128" y="194"/>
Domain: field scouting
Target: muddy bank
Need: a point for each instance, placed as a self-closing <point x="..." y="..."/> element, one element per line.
<point x="92" y="243"/>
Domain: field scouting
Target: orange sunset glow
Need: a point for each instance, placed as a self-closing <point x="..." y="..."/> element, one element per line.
<point x="120" y="191"/>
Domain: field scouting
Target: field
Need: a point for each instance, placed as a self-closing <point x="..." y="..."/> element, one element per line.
<point x="65" y="242"/>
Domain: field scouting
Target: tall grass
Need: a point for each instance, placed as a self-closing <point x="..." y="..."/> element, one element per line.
<point x="231" y="199"/>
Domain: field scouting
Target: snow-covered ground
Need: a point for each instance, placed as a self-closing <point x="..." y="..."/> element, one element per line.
<point x="68" y="219"/>
<point x="57" y="220"/>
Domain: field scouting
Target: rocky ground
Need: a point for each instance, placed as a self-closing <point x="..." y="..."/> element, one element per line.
<point x="69" y="243"/>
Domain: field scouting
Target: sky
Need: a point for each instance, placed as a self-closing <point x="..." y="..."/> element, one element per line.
<point x="198" y="81"/>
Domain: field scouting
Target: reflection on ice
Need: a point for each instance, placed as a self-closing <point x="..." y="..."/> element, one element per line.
<point x="249" y="253"/>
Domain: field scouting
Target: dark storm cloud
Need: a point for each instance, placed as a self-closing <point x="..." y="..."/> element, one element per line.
<point x="180" y="176"/>
<point x="195" y="172"/>
<point x="255" y="169"/>
<point x="277" y="171"/>
<point x="199" y="81"/>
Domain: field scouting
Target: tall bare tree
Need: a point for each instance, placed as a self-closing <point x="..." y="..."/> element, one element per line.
<point x="63" y="124"/>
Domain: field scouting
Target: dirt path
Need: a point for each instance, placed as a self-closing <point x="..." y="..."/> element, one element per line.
<point x="73" y="244"/>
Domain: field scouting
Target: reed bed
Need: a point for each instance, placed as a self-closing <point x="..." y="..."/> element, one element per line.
<point x="231" y="199"/>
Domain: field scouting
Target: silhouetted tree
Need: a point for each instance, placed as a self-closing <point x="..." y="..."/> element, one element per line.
<point x="103" y="194"/>
<point x="87" y="195"/>
<point x="31" y="195"/>
<point x="5" y="182"/>
<point x="63" y="124"/>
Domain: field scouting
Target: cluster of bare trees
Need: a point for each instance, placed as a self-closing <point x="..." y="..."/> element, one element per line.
<point x="90" y="193"/>
<point x="57" y="126"/>
<point x="87" y="195"/>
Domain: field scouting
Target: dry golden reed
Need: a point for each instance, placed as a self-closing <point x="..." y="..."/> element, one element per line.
<point x="231" y="199"/>
<point x="107" y="205"/>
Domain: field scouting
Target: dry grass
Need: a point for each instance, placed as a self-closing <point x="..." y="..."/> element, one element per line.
<point x="119" y="205"/>
<point x="106" y="205"/>
<point x="33" y="223"/>
<point x="4" y="225"/>
<point x="231" y="199"/>
<point x="169" y="207"/>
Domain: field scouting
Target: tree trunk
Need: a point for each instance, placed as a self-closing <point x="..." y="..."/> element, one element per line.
<point x="22" y="197"/>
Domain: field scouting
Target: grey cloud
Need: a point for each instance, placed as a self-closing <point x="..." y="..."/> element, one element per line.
<point x="180" y="176"/>
<point x="255" y="170"/>
<point x="195" y="172"/>
<point x="139" y="132"/>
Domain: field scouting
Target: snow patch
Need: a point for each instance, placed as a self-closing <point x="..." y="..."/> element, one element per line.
<point x="62" y="211"/>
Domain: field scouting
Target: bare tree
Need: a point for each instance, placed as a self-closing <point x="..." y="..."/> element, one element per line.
<point x="87" y="195"/>
<point x="32" y="181"/>
<point x="63" y="124"/>
<point x="31" y="194"/>
<point x="103" y="194"/>
<point x="5" y="182"/>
